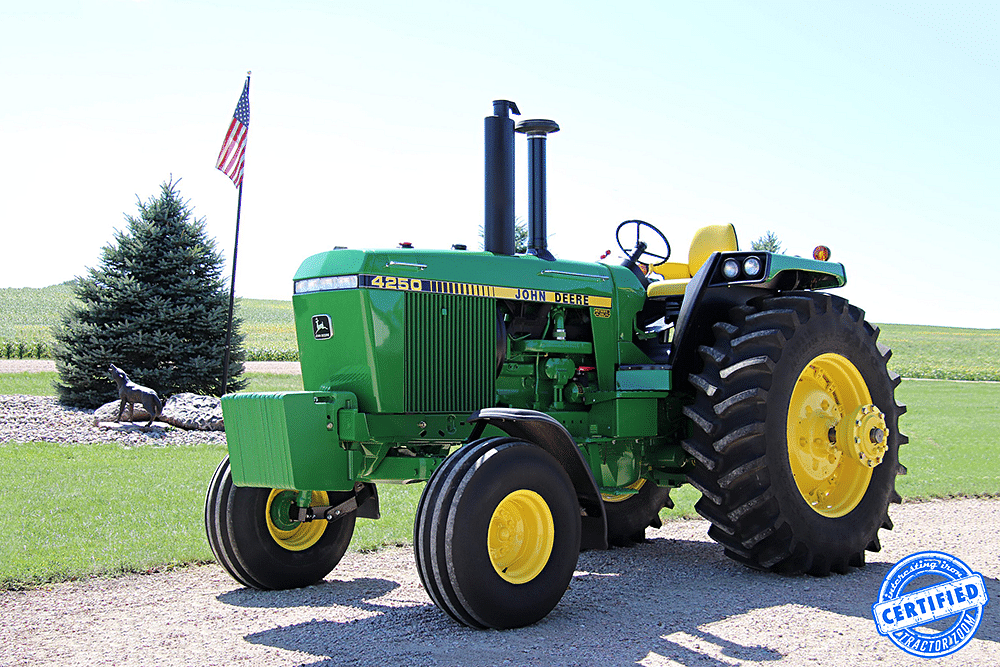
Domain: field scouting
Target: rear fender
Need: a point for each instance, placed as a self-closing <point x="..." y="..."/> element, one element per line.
<point x="709" y="297"/>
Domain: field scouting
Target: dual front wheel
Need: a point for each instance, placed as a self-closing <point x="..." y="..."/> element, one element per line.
<point x="252" y="535"/>
<point x="497" y="534"/>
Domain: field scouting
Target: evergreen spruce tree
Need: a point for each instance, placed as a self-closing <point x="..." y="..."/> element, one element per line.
<point x="768" y="243"/>
<point x="156" y="307"/>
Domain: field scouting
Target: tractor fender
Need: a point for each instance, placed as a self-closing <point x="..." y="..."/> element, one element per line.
<point x="706" y="302"/>
<point x="542" y="430"/>
<point x="703" y="306"/>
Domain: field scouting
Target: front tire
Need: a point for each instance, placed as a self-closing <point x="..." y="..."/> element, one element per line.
<point x="796" y="434"/>
<point x="260" y="548"/>
<point x="497" y="534"/>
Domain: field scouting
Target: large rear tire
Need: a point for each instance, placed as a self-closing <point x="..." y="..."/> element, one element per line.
<point x="796" y="434"/>
<point x="497" y="534"/>
<point x="629" y="516"/>
<point x="259" y="547"/>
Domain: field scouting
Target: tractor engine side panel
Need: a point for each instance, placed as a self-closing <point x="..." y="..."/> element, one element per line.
<point x="399" y="352"/>
<point x="363" y="350"/>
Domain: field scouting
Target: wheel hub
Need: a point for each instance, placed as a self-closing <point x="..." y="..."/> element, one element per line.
<point x="520" y="536"/>
<point x="868" y="435"/>
<point x="289" y="534"/>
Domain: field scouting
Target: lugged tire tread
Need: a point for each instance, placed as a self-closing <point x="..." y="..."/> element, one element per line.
<point x="744" y="399"/>
<point x="729" y="428"/>
<point x="628" y="519"/>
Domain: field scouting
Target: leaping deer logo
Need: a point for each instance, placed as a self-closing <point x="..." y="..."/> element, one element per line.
<point x="322" y="327"/>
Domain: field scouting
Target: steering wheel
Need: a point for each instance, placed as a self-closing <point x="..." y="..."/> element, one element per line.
<point x="642" y="257"/>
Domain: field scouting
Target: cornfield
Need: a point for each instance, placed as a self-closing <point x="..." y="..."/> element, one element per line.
<point x="28" y="314"/>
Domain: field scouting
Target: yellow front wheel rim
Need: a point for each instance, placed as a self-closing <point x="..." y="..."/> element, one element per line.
<point x="289" y="535"/>
<point x="520" y="536"/>
<point x="835" y="435"/>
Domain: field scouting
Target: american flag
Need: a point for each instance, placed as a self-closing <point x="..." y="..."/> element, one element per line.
<point x="234" y="148"/>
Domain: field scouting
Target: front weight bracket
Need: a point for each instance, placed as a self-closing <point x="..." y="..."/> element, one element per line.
<point x="362" y="493"/>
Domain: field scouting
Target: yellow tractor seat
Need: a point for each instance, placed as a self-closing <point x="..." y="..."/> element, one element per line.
<point x="677" y="275"/>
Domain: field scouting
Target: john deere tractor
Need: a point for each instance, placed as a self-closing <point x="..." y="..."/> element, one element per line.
<point x="551" y="406"/>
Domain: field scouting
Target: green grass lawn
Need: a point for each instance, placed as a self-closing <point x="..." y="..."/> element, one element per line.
<point x="954" y="448"/>
<point x="101" y="509"/>
<point x="105" y="509"/>
<point x="32" y="384"/>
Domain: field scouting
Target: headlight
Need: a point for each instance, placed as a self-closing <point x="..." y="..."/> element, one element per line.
<point x="751" y="266"/>
<point x="730" y="269"/>
<point x="325" y="284"/>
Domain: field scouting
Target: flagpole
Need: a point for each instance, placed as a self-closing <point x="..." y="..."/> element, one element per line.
<point x="245" y="105"/>
<point x="232" y="293"/>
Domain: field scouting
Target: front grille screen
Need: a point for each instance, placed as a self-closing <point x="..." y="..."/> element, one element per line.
<point x="450" y="352"/>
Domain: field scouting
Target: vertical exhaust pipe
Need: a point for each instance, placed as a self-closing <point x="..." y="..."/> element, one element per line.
<point x="537" y="130"/>
<point x="498" y="228"/>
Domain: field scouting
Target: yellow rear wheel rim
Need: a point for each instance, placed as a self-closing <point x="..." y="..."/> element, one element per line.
<point x="289" y="535"/>
<point x="835" y="435"/>
<point x="636" y="486"/>
<point x="520" y="536"/>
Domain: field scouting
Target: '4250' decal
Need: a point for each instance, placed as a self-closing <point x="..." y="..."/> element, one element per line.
<point x="489" y="291"/>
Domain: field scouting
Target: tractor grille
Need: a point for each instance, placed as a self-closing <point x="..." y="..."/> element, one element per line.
<point x="450" y="352"/>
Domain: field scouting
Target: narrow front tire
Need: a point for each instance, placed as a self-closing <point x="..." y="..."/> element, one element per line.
<point x="497" y="534"/>
<point x="253" y="538"/>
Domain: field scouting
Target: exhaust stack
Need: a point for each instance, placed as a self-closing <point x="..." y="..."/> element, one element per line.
<point x="537" y="130"/>
<point x="498" y="228"/>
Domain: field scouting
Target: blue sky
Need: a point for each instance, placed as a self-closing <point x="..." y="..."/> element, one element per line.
<point x="870" y="127"/>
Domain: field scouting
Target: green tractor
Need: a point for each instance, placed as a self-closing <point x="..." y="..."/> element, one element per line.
<point x="552" y="405"/>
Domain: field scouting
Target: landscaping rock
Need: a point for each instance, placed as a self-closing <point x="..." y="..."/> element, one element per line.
<point x="109" y="411"/>
<point x="43" y="419"/>
<point x="192" y="412"/>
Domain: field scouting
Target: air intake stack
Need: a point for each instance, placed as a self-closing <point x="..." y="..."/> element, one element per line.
<point x="537" y="130"/>
<point x="498" y="228"/>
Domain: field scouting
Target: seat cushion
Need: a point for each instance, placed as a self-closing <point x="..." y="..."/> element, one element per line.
<point x="671" y="270"/>
<point x="672" y="287"/>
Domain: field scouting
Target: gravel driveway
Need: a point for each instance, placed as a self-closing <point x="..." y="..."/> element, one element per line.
<point x="675" y="600"/>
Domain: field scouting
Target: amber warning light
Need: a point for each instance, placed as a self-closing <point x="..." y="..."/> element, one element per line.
<point x="821" y="252"/>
